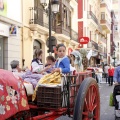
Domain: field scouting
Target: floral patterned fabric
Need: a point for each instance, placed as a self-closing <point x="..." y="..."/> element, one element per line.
<point x="12" y="95"/>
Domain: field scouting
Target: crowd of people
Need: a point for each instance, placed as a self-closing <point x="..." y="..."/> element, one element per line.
<point x="62" y="64"/>
<point x="106" y="72"/>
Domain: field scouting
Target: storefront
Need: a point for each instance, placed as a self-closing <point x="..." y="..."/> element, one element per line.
<point x="4" y="33"/>
<point x="10" y="33"/>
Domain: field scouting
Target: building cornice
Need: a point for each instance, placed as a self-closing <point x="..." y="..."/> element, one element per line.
<point x="10" y="21"/>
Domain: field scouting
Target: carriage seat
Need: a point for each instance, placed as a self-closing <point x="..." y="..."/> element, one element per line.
<point x="29" y="88"/>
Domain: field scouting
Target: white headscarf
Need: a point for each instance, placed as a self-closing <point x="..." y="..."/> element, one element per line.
<point x="78" y="58"/>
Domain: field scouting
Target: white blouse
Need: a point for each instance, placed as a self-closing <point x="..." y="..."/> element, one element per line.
<point x="37" y="67"/>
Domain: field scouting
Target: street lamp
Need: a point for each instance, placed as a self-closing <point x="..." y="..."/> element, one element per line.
<point x="53" y="6"/>
<point x="114" y="57"/>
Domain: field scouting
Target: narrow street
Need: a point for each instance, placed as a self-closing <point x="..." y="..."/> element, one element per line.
<point x="106" y="112"/>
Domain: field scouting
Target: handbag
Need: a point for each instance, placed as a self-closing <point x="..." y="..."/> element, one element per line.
<point x="111" y="102"/>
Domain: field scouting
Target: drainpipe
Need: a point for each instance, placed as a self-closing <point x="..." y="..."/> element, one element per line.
<point x="23" y="60"/>
<point x="106" y="48"/>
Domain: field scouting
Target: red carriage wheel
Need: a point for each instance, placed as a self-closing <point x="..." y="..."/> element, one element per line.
<point x="87" y="105"/>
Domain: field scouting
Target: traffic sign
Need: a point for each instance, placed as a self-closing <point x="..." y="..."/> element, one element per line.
<point x="83" y="40"/>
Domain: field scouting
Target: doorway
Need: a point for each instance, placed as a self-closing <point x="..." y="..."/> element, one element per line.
<point x="1" y="52"/>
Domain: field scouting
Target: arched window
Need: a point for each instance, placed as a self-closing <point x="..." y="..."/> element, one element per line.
<point x="36" y="45"/>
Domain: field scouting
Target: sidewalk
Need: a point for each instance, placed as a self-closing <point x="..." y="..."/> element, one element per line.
<point x="106" y="112"/>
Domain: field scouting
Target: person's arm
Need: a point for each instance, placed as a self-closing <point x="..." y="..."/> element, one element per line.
<point x="66" y="64"/>
<point x="115" y="77"/>
<point x="66" y="69"/>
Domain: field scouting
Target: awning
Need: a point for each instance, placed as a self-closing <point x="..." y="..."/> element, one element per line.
<point x="91" y="53"/>
<point x="94" y="53"/>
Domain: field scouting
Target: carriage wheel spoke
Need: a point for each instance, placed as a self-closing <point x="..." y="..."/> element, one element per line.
<point x="86" y="104"/>
<point x="93" y="107"/>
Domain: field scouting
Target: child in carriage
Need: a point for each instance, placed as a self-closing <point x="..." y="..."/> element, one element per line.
<point x="37" y="65"/>
<point x="50" y="63"/>
<point x="62" y="64"/>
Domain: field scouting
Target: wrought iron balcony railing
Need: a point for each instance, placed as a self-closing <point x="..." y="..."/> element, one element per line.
<point x="74" y="35"/>
<point x="91" y="15"/>
<point x="94" y="45"/>
<point x="40" y="17"/>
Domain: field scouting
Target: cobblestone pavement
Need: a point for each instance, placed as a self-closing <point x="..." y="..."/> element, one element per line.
<point x="106" y="112"/>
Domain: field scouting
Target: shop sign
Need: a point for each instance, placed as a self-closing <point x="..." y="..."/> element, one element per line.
<point x="4" y="30"/>
<point x="83" y="40"/>
<point x="13" y="30"/>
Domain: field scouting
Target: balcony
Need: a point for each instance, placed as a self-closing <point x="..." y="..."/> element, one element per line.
<point x="90" y="15"/>
<point x="62" y="30"/>
<point x="94" y="45"/>
<point x="39" y="22"/>
<point x="74" y="35"/>
<point x="105" y="5"/>
<point x="105" y="25"/>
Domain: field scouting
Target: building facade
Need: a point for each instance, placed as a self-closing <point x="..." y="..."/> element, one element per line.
<point x="10" y="23"/>
<point x="116" y="29"/>
<point x="112" y="35"/>
<point x="35" y="30"/>
<point x="94" y="21"/>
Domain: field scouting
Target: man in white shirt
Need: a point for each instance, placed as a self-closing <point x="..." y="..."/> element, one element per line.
<point x="106" y="72"/>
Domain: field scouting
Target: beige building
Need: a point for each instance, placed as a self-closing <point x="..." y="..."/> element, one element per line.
<point x="116" y="9"/>
<point x="35" y="30"/>
<point x="96" y="25"/>
<point x="10" y="23"/>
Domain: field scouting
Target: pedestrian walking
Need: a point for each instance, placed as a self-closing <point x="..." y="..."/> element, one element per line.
<point x="106" y="72"/>
<point x="99" y="71"/>
<point x="116" y="77"/>
<point x="111" y="74"/>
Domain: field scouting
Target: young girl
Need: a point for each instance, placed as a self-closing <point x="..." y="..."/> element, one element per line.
<point x="63" y="63"/>
<point x="37" y="65"/>
<point x="50" y="63"/>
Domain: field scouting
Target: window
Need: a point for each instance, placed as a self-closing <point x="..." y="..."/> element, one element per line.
<point x="102" y="16"/>
<point x="36" y="45"/>
<point x="116" y="27"/>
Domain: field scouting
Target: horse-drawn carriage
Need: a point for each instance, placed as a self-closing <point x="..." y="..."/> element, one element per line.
<point x="76" y="96"/>
<point x="79" y="98"/>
